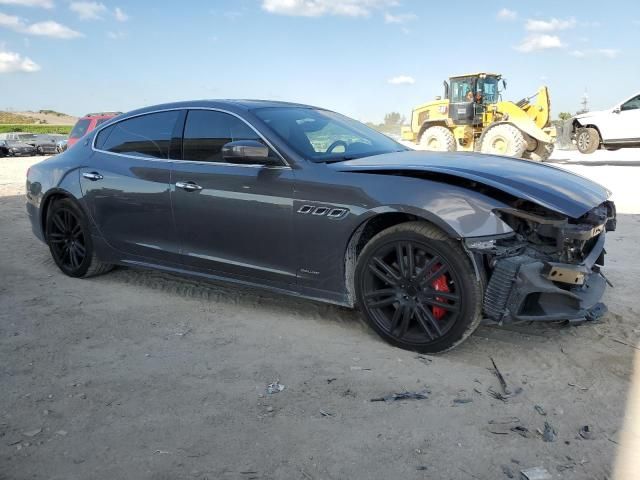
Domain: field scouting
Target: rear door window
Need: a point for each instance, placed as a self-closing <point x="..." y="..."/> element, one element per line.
<point x="144" y="136"/>
<point x="206" y="131"/>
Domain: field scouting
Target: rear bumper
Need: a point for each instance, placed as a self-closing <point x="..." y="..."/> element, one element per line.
<point x="523" y="288"/>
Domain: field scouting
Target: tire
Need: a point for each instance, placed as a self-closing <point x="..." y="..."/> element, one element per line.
<point x="69" y="239"/>
<point x="587" y="140"/>
<point x="430" y="300"/>
<point x="504" y="139"/>
<point x="541" y="153"/>
<point x="438" y="139"/>
<point x="39" y="151"/>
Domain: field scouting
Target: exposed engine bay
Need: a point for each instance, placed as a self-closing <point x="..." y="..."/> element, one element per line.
<point x="549" y="268"/>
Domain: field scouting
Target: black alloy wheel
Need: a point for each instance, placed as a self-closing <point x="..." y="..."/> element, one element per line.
<point x="417" y="288"/>
<point x="69" y="240"/>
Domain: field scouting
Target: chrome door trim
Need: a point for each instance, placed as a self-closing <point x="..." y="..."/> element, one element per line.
<point x="221" y="110"/>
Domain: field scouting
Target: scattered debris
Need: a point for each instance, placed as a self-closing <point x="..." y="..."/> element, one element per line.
<point x="358" y="367"/>
<point x="32" y="433"/>
<point x="62" y="433"/>
<point x="536" y="473"/>
<point x="623" y="342"/>
<point x="460" y="401"/>
<point x="423" y="395"/>
<point x="326" y="414"/>
<point x="540" y="410"/>
<point x="331" y="380"/>
<point x="159" y="452"/>
<point x="586" y="432"/>
<point x="577" y="385"/>
<point x="566" y="466"/>
<point x="506" y="469"/>
<point x="274" y="387"/>
<point x="269" y="409"/>
<point x="501" y="396"/>
<point x="421" y="468"/>
<point x="349" y="393"/>
<point x="504" y="420"/>
<point x="549" y="434"/>
<point x="502" y="426"/>
<point x="423" y="359"/>
<point x="522" y="431"/>
<point x="182" y="334"/>
<point x="503" y="383"/>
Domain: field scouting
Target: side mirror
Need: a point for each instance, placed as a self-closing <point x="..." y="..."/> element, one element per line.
<point x="248" y="152"/>
<point x="504" y="84"/>
<point x="617" y="110"/>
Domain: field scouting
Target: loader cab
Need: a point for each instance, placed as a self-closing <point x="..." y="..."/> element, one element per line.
<point x="469" y="95"/>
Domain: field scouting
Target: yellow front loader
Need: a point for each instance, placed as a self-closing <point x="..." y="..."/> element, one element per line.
<point x="473" y="117"/>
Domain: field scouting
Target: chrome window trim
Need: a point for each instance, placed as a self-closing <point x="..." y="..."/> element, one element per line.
<point x="171" y="160"/>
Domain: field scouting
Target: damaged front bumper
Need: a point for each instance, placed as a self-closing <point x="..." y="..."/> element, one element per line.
<point x="527" y="285"/>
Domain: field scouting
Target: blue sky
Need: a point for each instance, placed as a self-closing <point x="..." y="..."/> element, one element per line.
<point x="360" y="57"/>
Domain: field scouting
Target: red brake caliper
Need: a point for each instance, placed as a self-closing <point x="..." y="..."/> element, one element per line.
<point x="440" y="284"/>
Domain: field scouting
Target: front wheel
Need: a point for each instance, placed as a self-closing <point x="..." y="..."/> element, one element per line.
<point x="417" y="288"/>
<point x="504" y="139"/>
<point x="69" y="239"/>
<point x="540" y="153"/>
<point x="587" y="140"/>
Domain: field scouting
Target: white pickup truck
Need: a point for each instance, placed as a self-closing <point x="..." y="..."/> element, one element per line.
<point x="611" y="129"/>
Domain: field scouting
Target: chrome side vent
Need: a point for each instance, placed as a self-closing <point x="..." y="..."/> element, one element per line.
<point x="337" y="213"/>
<point x="320" y="211"/>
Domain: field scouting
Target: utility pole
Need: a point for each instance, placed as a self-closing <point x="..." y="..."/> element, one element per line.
<point x="584" y="102"/>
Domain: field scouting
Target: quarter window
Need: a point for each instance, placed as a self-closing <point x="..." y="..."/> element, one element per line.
<point x="206" y="132"/>
<point x="143" y="136"/>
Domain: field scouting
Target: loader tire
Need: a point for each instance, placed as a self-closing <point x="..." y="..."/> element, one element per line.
<point x="504" y="139"/>
<point x="587" y="140"/>
<point x="541" y="153"/>
<point x="438" y="139"/>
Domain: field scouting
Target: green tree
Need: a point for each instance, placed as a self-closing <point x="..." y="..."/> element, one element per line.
<point x="393" y="118"/>
<point x="564" y="116"/>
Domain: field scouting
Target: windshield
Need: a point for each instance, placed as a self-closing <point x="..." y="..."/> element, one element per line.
<point x="26" y="136"/>
<point x="324" y="136"/>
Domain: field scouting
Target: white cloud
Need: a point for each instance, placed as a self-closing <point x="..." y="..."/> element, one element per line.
<point x="88" y="10"/>
<point x="52" y="29"/>
<point x="539" y="42"/>
<point x="506" y="14"/>
<point x="551" y="25"/>
<point x="399" y="18"/>
<point x="47" y="28"/>
<point x="401" y="80"/>
<point x="116" y="35"/>
<point x="29" y="3"/>
<point x="596" y="52"/>
<point x="13" y="62"/>
<point x="120" y="15"/>
<point x="317" y="8"/>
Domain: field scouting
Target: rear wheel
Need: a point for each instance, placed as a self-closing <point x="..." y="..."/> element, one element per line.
<point x="504" y="139"/>
<point x="587" y="140"/>
<point x="438" y="139"/>
<point x="417" y="288"/>
<point x="69" y="240"/>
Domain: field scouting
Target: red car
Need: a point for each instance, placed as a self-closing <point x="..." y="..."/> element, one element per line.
<point x="88" y="123"/>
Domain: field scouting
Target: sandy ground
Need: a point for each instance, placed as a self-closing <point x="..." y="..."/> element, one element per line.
<point x="150" y="376"/>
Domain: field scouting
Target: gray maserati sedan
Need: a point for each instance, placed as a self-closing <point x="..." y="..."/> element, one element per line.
<point x="304" y="201"/>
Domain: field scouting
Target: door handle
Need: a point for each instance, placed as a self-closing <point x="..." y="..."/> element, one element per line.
<point x="93" y="176"/>
<point x="188" y="186"/>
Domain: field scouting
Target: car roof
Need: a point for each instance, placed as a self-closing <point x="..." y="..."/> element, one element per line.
<point x="226" y="104"/>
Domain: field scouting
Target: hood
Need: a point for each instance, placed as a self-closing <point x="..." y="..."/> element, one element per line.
<point x="548" y="186"/>
<point x="590" y="114"/>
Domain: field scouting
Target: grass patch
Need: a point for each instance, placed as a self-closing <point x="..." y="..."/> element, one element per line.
<point x="35" y="128"/>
